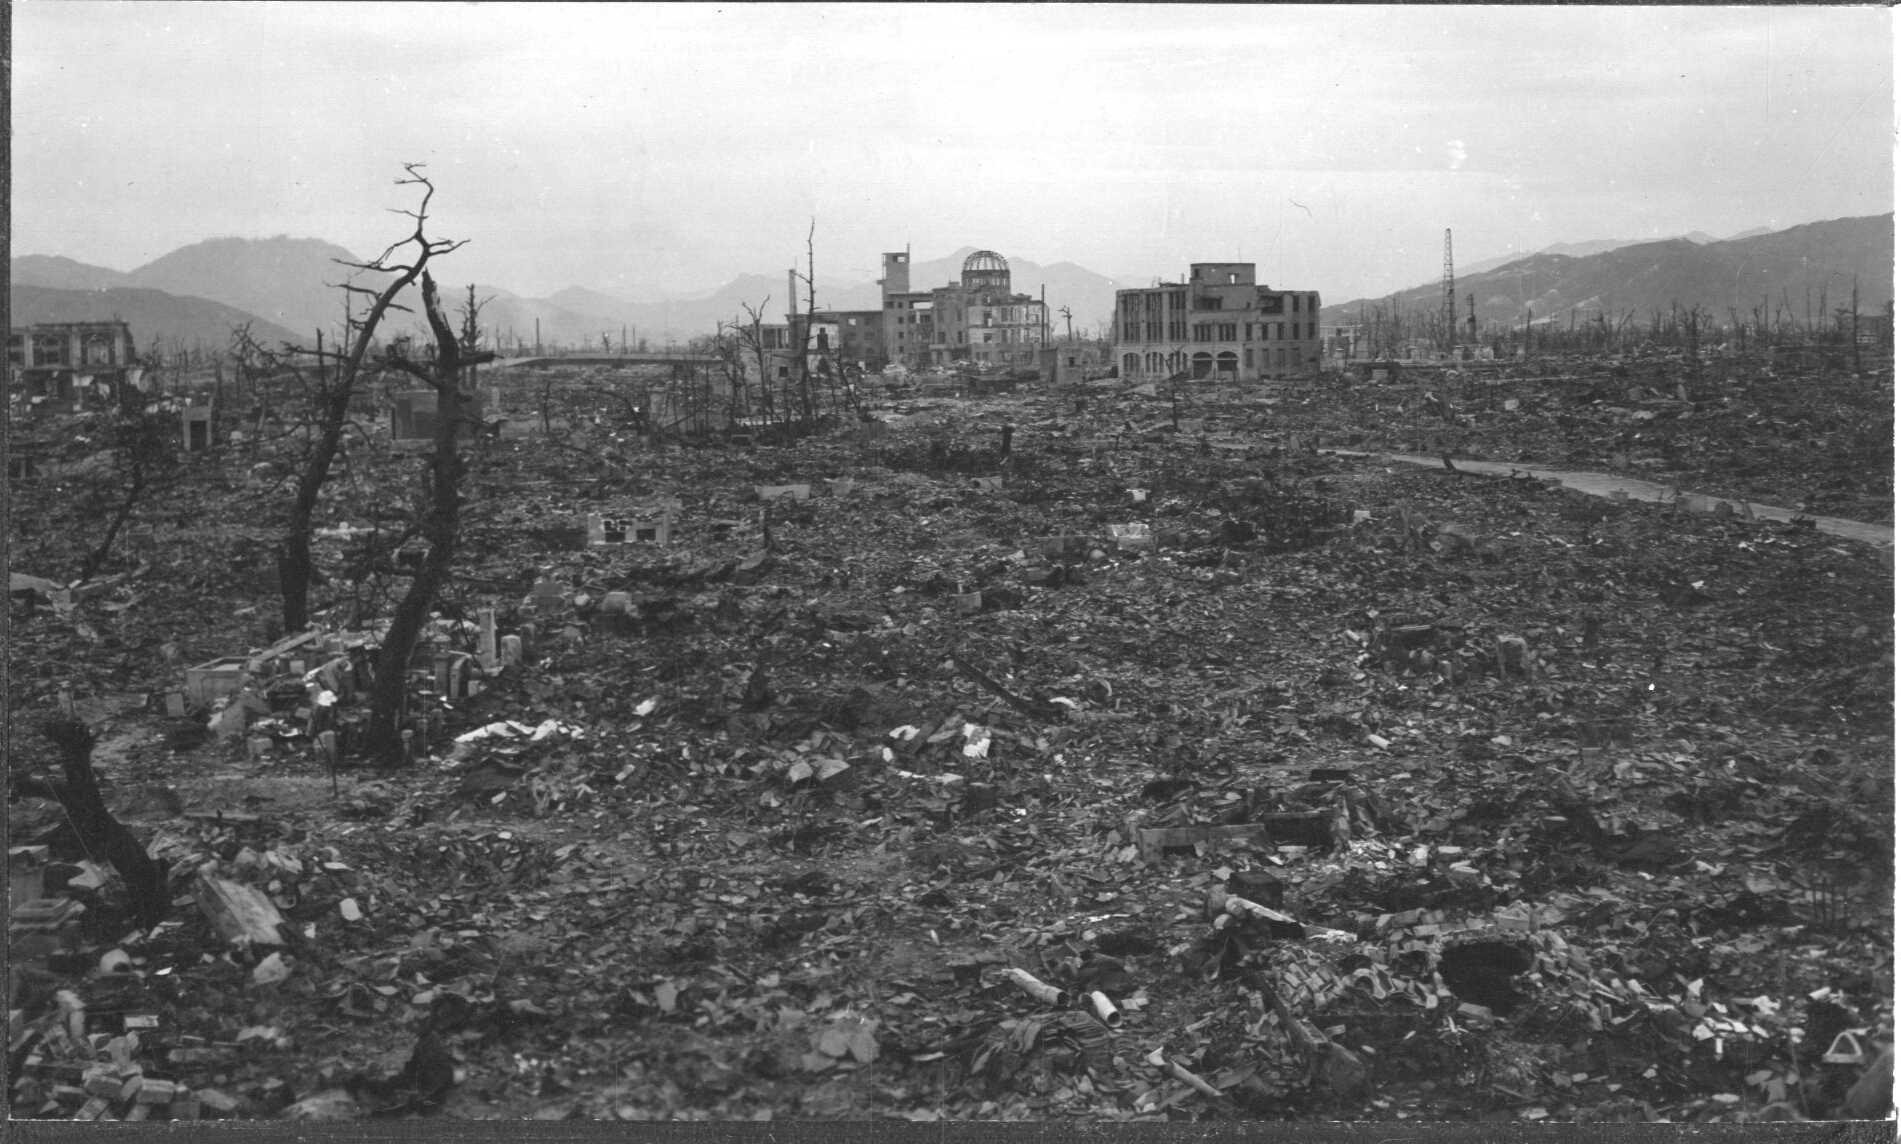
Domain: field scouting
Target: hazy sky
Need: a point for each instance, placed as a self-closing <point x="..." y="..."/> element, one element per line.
<point x="647" y="150"/>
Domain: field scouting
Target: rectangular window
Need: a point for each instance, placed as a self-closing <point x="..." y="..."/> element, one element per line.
<point x="1129" y="330"/>
<point x="1310" y="329"/>
<point x="1128" y="303"/>
<point x="1280" y="359"/>
<point x="1296" y="303"/>
<point x="1152" y="302"/>
<point x="1207" y="303"/>
<point x="1226" y="332"/>
<point x="1201" y="331"/>
<point x="1272" y="304"/>
<point x="1177" y="300"/>
<point x="1152" y="331"/>
<point x="1248" y="359"/>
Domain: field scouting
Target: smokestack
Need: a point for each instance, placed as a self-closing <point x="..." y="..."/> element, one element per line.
<point x="792" y="291"/>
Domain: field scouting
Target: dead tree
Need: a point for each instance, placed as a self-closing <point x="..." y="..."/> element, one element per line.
<point x="752" y="335"/>
<point x="332" y="402"/>
<point x="447" y="373"/>
<point x="142" y="463"/>
<point x="803" y="330"/>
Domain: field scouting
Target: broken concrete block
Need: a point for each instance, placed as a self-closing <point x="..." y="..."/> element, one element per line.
<point x="241" y="914"/>
<point x="777" y="492"/>
<point x="1154" y="843"/>
<point x="216" y="1101"/>
<point x="229" y="720"/>
<point x="1513" y="655"/>
<point x="1132" y="537"/>
<point x="987" y="484"/>
<point x="1310" y="828"/>
<point x="214" y="679"/>
<point x="155" y="1091"/>
<point x="1258" y="886"/>
<point x="839" y="488"/>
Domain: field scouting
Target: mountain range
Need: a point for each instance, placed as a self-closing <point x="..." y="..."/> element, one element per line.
<point x="287" y="287"/>
<point x="1789" y="269"/>
<point x="1597" y="246"/>
<point x="155" y="317"/>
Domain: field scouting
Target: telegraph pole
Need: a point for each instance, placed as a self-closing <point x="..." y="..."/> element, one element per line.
<point x="1451" y="298"/>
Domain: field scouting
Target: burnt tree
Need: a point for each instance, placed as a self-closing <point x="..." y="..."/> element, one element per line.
<point x="449" y="371"/>
<point x="404" y="261"/>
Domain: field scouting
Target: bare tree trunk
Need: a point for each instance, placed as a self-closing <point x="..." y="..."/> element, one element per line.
<point x="293" y="555"/>
<point x="389" y="692"/>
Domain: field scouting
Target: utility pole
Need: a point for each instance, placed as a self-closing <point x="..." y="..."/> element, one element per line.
<point x="537" y="337"/>
<point x="1451" y="298"/>
<point x="1471" y="319"/>
<point x="1854" y="324"/>
<point x="1069" y="329"/>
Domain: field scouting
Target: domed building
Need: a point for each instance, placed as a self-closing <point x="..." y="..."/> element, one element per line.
<point x="976" y="318"/>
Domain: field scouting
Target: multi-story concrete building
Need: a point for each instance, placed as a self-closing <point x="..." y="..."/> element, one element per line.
<point x="54" y="360"/>
<point x="976" y="319"/>
<point x="1218" y="324"/>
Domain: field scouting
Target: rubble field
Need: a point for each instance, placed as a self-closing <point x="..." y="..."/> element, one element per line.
<point x="1153" y="766"/>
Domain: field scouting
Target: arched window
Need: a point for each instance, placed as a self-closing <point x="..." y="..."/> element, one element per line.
<point x="1225" y="365"/>
<point x="1204" y="363"/>
<point x="1131" y="363"/>
<point x="1154" y="362"/>
<point x="1175" y="361"/>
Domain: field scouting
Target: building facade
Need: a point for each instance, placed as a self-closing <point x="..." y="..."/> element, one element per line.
<point x="56" y="361"/>
<point x="977" y="319"/>
<point x="1218" y="324"/>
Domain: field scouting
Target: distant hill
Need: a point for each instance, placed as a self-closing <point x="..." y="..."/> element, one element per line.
<point x="1641" y="277"/>
<point x="289" y="281"/>
<point x="1594" y="246"/>
<point x="58" y="273"/>
<point x="152" y="314"/>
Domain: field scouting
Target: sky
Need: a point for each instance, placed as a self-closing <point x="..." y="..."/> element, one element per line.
<point x="654" y="151"/>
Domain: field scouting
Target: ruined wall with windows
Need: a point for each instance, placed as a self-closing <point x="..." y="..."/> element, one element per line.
<point x="1218" y="324"/>
<point x="976" y="319"/>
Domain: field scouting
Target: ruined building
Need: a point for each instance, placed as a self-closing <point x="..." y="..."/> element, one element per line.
<point x="1219" y="324"/>
<point x="57" y="362"/>
<point x="976" y="319"/>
